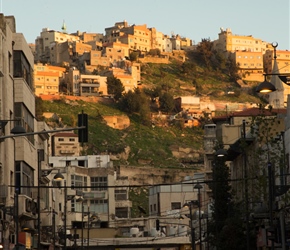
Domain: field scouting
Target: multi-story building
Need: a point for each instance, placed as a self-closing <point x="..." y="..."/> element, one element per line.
<point x="250" y="65"/>
<point x="94" y="179"/>
<point x="86" y="85"/>
<point x="44" y="42"/>
<point x="229" y="42"/>
<point x="18" y="156"/>
<point x="65" y="144"/>
<point x="47" y="79"/>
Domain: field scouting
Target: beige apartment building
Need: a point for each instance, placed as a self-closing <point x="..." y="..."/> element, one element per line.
<point x="65" y="144"/>
<point x="47" y="79"/>
<point x="20" y="157"/>
<point x="85" y="85"/>
<point x="250" y="65"/>
<point x="229" y="42"/>
<point x="44" y="42"/>
<point x="94" y="179"/>
<point x="247" y="51"/>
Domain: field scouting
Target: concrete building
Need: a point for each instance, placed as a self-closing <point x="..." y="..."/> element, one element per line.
<point x="93" y="179"/>
<point x="46" y="39"/>
<point x="229" y="42"/>
<point x="246" y="51"/>
<point x="250" y="65"/>
<point x="252" y="144"/>
<point x="85" y="85"/>
<point x="47" y="79"/>
<point x="65" y="144"/>
<point x="18" y="156"/>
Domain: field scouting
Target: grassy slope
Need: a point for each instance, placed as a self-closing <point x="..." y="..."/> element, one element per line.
<point x="147" y="143"/>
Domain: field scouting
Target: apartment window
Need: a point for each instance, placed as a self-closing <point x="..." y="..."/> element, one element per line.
<point x="22" y="68"/>
<point x="175" y="205"/>
<point x="154" y="207"/>
<point x="121" y="212"/>
<point x="71" y="139"/>
<point x="60" y="139"/>
<point x="81" y="163"/>
<point x="78" y="181"/>
<point x="120" y="195"/>
<point x="99" y="206"/>
<point x="24" y="178"/>
<point x="99" y="183"/>
<point x="27" y="120"/>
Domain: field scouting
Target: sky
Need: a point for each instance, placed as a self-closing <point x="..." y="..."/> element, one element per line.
<point x="267" y="20"/>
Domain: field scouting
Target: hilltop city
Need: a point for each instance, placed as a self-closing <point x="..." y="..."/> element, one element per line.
<point x="53" y="196"/>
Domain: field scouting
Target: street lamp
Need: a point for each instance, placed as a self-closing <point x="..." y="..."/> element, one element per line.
<point x="59" y="177"/>
<point x="198" y="187"/>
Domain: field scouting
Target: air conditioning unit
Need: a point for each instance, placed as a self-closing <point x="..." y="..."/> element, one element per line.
<point x="27" y="207"/>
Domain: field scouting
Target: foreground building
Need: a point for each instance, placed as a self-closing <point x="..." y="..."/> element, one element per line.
<point x="18" y="156"/>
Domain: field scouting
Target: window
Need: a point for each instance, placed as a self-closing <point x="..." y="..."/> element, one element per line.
<point x="120" y="195"/>
<point x="122" y="212"/>
<point x="60" y="139"/>
<point x="175" y="205"/>
<point x="99" y="183"/>
<point x="71" y="139"/>
<point x="24" y="178"/>
<point x="78" y="181"/>
<point x="27" y="120"/>
<point x="99" y="206"/>
<point x="22" y="68"/>
<point x="81" y="163"/>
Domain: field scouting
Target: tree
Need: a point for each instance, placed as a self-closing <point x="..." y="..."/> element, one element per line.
<point x="226" y="228"/>
<point x="115" y="87"/>
<point x="39" y="108"/>
<point x="166" y="101"/>
<point x="136" y="102"/>
<point x="204" y="52"/>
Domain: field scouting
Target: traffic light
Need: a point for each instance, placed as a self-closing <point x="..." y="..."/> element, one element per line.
<point x="83" y="133"/>
<point x="157" y="225"/>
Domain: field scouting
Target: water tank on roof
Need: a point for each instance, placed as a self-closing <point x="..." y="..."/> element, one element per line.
<point x="182" y="230"/>
<point x="172" y="231"/>
<point x="134" y="231"/>
<point x="153" y="232"/>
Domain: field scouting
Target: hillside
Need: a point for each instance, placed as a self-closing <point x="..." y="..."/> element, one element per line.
<point x="139" y="145"/>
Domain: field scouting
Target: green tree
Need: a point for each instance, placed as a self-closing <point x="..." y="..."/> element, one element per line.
<point x="136" y="102"/>
<point x="204" y="52"/>
<point x="167" y="102"/>
<point x="39" y="108"/>
<point x="226" y="228"/>
<point x="134" y="56"/>
<point x="115" y="87"/>
<point x="232" y="69"/>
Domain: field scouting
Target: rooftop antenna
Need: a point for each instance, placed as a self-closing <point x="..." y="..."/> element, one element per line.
<point x="63" y="27"/>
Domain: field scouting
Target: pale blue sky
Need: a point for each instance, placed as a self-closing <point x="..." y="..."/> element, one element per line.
<point x="265" y="19"/>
